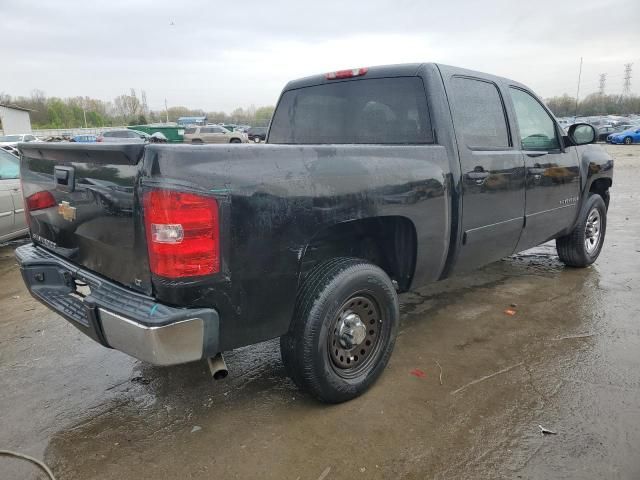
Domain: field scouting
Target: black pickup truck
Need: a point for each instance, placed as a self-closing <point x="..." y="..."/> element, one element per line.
<point x="372" y="181"/>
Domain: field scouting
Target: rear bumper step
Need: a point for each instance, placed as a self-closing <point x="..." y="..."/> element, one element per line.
<point x="117" y="317"/>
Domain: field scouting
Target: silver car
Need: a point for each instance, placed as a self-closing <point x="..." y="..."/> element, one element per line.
<point x="12" y="219"/>
<point x="123" y="136"/>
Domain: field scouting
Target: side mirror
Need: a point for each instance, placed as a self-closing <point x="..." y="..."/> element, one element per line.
<point x="582" y="133"/>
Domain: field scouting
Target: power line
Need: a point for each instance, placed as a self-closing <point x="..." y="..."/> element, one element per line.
<point x="626" y="86"/>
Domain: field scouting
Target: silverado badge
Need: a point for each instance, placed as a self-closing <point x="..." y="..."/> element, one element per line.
<point x="67" y="211"/>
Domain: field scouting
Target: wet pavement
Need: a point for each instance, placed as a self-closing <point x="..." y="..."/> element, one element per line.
<point x="568" y="359"/>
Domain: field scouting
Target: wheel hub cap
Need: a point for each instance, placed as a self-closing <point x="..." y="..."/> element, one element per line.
<point x="354" y="334"/>
<point x="592" y="231"/>
<point x="351" y="331"/>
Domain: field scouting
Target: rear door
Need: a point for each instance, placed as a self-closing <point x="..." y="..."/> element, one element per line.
<point x="492" y="171"/>
<point x="552" y="171"/>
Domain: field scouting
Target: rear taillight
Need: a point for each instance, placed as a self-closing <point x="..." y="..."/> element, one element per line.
<point x="352" y="72"/>
<point x="40" y="200"/>
<point x="182" y="233"/>
<point x="100" y="138"/>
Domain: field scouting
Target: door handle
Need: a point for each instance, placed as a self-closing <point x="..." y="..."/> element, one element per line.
<point x="536" y="154"/>
<point x="478" y="177"/>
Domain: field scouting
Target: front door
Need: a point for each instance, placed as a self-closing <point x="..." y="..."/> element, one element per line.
<point x="552" y="172"/>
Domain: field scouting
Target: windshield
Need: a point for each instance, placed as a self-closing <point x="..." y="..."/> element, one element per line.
<point x="375" y="111"/>
<point x="11" y="138"/>
<point x="9" y="166"/>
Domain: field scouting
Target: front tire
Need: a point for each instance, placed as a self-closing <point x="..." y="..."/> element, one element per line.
<point x="235" y="140"/>
<point x="628" y="141"/>
<point x="582" y="246"/>
<point x="343" y="331"/>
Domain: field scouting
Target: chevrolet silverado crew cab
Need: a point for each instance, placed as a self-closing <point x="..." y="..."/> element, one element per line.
<point x="372" y="181"/>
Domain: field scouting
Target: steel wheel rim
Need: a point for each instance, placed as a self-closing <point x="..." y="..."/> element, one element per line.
<point x="349" y="362"/>
<point x="592" y="231"/>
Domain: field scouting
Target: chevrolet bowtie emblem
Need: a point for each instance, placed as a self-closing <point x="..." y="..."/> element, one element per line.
<point x="67" y="211"/>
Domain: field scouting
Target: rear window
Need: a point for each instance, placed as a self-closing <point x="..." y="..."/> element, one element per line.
<point x="378" y="111"/>
<point x="117" y="134"/>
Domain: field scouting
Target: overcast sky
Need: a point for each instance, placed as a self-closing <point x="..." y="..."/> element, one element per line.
<point x="224" y="54"/>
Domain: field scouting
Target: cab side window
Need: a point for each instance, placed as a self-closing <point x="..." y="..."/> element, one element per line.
<point x="479" y="113"/>
<point x="537" y="128"/>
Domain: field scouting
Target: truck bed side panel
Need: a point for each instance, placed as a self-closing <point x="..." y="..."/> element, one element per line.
<point x="276" y="198"/>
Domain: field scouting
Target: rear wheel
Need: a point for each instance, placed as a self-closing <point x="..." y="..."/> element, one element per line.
<point x="256" y="139"/>
<point x="583" y="245"/>
<point x="628" y="141"/>
<point x="196" y="141"/>
<point x="344" y="329"/>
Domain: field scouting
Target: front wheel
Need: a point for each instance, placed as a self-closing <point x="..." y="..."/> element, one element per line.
<point x="235" y="140"/>
<point x="256" y="139"/>
<point x="343" y="331"/>
<point x="583" y="245"/>
<point x="628" y="141"/>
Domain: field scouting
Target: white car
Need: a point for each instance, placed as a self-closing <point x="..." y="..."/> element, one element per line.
<point x="12" y="141"/>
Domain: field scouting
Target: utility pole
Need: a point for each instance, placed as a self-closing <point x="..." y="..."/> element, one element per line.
<point x="166" y="109"/>
<point x="603" y="82"/>
<point x="626" y="86"/>
<point x="578" y="92"/>
<point x="84" y="112"/>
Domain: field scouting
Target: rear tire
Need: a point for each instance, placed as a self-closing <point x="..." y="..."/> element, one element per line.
<point x="196" y="141"/>
<point x="256" y="139"/>
<point x="343" y="331"/>
<point x="582" y="246"/>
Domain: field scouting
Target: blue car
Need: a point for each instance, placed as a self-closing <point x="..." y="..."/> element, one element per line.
<point x="627" y="137"/>
<point x="85" y="139"/>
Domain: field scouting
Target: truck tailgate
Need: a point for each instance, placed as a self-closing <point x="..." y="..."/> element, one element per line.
<point x="81" y="203"/>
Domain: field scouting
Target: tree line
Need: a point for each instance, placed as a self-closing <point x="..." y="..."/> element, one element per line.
<point x="594" y="104"/>
<point x="126" y="109"/>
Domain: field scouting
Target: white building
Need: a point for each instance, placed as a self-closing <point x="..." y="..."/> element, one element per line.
<point x="15" y="119"/>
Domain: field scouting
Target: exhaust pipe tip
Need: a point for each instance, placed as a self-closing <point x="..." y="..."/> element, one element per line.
<point x="218" y="367"/>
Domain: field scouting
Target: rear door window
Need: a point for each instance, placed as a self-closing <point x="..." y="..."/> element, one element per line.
<point x="375" y="111"/>
<point x="479" y="113"/>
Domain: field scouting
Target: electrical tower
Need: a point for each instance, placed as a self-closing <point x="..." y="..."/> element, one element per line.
<point x="603" y="82"/>
<point x="626" y="86"/>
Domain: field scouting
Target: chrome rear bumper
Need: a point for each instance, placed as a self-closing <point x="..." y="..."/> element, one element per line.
<point x="118" y="317"/>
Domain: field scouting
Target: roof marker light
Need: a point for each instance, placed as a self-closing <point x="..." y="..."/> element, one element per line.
<point x="352" y="72"/>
